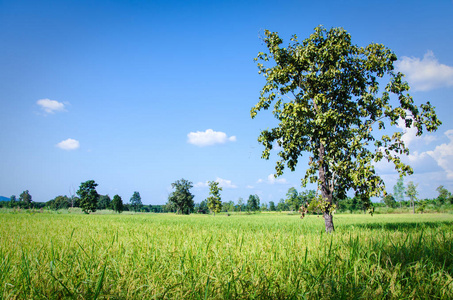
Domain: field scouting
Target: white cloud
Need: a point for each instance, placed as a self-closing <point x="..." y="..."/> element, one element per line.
<point x="69" y="144"/>
<point x="51" y="106"/>
<point x="224" y="183"/>
<point x="250" y="187"/>
<point x="425" y="74"/>
<point x="426" y="161"/>
<point x="209" y="138"/>
<point x="410" y="134"/>
<point x="443" y="155"/>
<point x="200" y="184"/>
<point x="272" y="180"/>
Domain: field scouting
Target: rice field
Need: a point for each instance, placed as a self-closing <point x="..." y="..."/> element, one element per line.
<point x="262" y="256"/>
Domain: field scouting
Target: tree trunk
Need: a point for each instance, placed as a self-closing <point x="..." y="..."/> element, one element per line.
<point x="326" y="193"/>
<point x="328" y="219"/>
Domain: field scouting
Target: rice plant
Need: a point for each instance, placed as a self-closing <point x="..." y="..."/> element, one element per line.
<point x="262" y="256"/>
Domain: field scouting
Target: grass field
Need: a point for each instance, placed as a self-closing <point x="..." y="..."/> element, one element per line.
<point x="262" y="256"/>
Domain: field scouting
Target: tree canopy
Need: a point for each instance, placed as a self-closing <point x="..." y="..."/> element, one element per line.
<point x="326" y="97"/>
<point x="136" y="201"/>
<point x="88" y="196"/>
<point x="253" y="203"/>
<point x="181" y="198"/>
<point x="214" y="200"/>
<point x="25" y="198"/>
<point x="117" y="204"/>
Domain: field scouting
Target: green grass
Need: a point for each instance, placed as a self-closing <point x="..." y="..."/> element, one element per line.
<point x="263" y="256"/>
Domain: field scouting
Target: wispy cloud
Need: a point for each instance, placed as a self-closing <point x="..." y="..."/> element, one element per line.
<point x="272" y="180"/>
<point x="50" y="106"/>
<point x="427" y="73"/>
<point x="209" y="138"/>
<point x="69" y="144"/>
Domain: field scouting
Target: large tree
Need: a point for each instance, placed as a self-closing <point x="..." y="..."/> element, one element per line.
<point x="326" y="98"/>
<point x="88" y="196"/>
<point x="181" y="198"/>
<point x="214" y="200"/>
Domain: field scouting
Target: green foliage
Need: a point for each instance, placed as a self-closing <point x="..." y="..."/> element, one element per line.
<point x="88" y="196"/>
<point x="202" y="207"/>
<point x="444" y="195"/>
<point x="282" y="206"/>
<point x="389" y="200"/>
<point x="25" y="198"/>
<point x="214" y="201"/>
<point x="240" y="205"/>
<point x="272" y="206"/>
<point x="12" y="201"/>
<point x="292" y="199"/>
<point x="398" y="190"/>
<point x="253" y="203"/>
<point x="326" y="97"/>
<point x="60" y="202"/>
<point x="421" y="208"/>
<point x="181" y="199"/>
<point x="117" y="204"/>
<point x="104" y="202"/>
<point x="412" y="193"/>
<point x="136" y="202"/>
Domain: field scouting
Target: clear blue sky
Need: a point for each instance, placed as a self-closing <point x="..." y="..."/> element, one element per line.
<point x="125" y="92"/>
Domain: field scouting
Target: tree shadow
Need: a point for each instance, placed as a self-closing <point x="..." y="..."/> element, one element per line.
<point x="401" y="226"/>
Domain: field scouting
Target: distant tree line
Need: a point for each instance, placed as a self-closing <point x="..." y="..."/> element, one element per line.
<point x="181" y="201"/>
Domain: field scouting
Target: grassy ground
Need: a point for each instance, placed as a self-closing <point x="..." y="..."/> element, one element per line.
<point x="263" y="256"/>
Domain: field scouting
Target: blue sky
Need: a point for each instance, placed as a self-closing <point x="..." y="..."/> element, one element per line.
<point x="138" y="94"/>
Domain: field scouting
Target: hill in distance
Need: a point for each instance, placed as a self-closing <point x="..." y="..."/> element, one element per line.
<point x="4" y="198"/>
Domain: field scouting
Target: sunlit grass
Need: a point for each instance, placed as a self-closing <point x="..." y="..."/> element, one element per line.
<point x="261" y="256"/>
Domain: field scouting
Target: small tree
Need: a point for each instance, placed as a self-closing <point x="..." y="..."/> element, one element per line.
<point x="282" y="206"/>
<point x="202" y="207"/>
<point x="398" y="191"/>
<point x="104" y="202"/>
<point x="412" y="193"/>
<point x="25" y="198"/>
<point x="60" y="202"/>
<point x="117" y="204"/>
<point x="326" y="97"/>
<point x="253" y="203"/>
<point x="272" y="206"/>
<point x="214" y="201"/>
<point x="389" y="200"/>
<point x="292" y="199"/>
<point x="240" y="204"/>
<point x="12" y="201"/>
<point x="88" y="196"/>
<point x="181" y="199"/>
<point x="136" y="202"/>
<point x="444" y="195"/>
